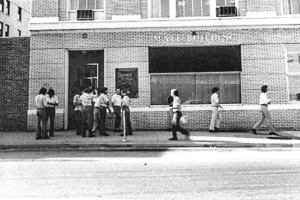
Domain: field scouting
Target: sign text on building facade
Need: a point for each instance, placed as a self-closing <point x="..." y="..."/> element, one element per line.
<point x="189" y="38"/>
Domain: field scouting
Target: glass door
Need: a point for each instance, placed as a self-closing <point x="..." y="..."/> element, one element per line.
<point x="90" y="75"/>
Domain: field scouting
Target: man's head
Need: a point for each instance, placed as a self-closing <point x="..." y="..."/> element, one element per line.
<point x="88" y="90"/>
<point x="264" y="88"/>
<point x="51" y="92"/>
<point x="174" y="93"/>
<point x="215" y="90"/>
<point x="118" y="91"/>
<point x="43" y="91"/>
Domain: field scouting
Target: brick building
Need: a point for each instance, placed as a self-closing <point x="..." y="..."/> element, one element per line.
<point x="14" y="18"/>
<point x="152" y="46"/>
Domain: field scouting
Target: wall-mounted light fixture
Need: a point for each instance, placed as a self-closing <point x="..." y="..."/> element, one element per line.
<point x="84" y="35"/>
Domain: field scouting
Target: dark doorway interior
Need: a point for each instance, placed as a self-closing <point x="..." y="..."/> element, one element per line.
<point x="86" y="68"/>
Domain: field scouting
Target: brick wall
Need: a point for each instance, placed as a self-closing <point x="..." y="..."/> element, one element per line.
<point x="44" y="8"/>
<point x="261" y="5"/>
<point x="14" y="78"/>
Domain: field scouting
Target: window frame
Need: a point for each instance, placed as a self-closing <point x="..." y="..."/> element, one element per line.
<point x="290" y="10"/>
<point x="19" y="13"/>
<point x="291" y="74"/>
<point x="7" y="7"/>
<point x="101" y="9"/>
<point x="173" y="10"/>
<point x="2" y="5"/>
<point x="1" y="29"/>
<point x="20" y="32"/>
<point x="6" y="31"/>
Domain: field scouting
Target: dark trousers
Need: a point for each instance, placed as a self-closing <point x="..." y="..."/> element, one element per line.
<point x="78" y="121"/>
<point x="117" y="111"/>
<point x="102" y="120"/>
<point x="176" y="126"/>
<point x="51" y="114"/>
<point x="41" y="130"/>
<point x="87" y="119"/>
<point x="127" y="120"/>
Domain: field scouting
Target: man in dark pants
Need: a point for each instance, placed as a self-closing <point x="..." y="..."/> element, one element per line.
<point x="87" y="112"/>
<point x="104" y="102"/>
<point x="116" y="102"/>
<point x="41" y="104"/>
<point x="78" y="111"/>
<point x="176" y="116"/>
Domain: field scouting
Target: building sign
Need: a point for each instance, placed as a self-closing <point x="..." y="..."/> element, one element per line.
<point x="127" y="78"/>
<point x="190" y="37"/>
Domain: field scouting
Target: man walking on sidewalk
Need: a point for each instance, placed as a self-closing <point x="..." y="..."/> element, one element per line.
<point x="104" y="103"/>
<point x="216" y="118"/>
<point x="176" y="116"/>
<point x="116" y="101"/>
<point x="264" y="102"/>
<point x="41" y="104"/>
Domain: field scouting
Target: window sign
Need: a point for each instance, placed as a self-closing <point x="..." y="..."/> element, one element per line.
<point x="127" y="78"/>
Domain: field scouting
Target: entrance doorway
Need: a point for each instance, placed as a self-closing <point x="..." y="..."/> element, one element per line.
<point x="86" y="69"/>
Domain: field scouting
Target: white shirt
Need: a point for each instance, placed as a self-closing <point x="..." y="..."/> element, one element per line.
<point x="176" y="104"/>
<point x="116" y="100"/>
<point x="76" y="100"/>
<point x="86" y="99"/>
<point x="214" y="99"/>
<point x="53" y="99"/>
<point x="103" y="100"/>
<point x="263" y="99"/>
<point x="97" y="102"/>
<point x="40" y="101"/>
<point x="126" y="101"/>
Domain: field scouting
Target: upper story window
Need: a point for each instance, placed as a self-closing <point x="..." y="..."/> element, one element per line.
<point x="87" y="4"/>
<point x="1" y="29"/>
<point x="187" y="8"/>
<point x="20" y="33"/>
<point x="20" y="14"/>
<point x="6" y="30"/>
<point x="7" y="8"/>
<point x="291" y="7"/>
<point x="1" y="5"/>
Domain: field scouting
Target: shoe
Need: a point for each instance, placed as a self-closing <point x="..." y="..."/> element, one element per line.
<point x="253" y="131"/>
<point x="173" y="138"/>
<point x="216" y="129"/>
<point x="38" y="138"/>
<point x="211" y="131"/>
<point x="83" y="135"/>
<point x="47" y="137"/>
<point x="104" y="134"/>
<point x="78" y="133"/>
<point x="122" y="134"/>
<point x="272" y="133"/>
<point x="187" y="137"/>
<point x="92" y="135"/>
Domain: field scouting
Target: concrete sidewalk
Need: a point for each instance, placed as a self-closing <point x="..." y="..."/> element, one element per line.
<point x="148" y="140"/>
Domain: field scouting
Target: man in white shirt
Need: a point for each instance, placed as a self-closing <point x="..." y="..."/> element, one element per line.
<point x="52" y="101"/>
<point x="264" y="102"/>
<point x="176" y="116"/>
<point x="125" y="108"/>
<point x="87" y="112"/>
<point x="116" y="101"/>
<point x="78" y="111"/>
<point x="41" y="104"/>
<point x="216" y="118"/>
<point x="104" y="103"/>
<point x="96" y="110"/>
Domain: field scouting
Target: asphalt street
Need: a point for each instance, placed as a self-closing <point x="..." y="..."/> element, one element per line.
<point x="175" y="174"/>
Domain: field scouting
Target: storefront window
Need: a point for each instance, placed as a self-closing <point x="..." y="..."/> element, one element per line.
<point x="160" y="8"/>
<point x="195" y="88"/>
<point x="87" y="4"/>
<point x="291" y="7"/>
<point x="293" y="71"/>
<point x="194" y="71"/>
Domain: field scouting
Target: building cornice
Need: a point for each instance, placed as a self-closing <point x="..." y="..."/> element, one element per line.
<point x="167" y="24"/>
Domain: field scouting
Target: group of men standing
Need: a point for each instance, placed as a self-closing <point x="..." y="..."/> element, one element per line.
<point x="91" y="107"/>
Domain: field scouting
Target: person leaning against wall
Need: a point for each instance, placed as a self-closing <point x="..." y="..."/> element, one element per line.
<point x="41" y="104"/>
<point x="216" y="118"/>
<point x="52" y="101"/>
<point x="264" y="102"/>
<point x="78" y="111"/>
